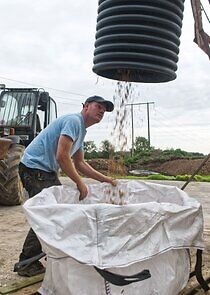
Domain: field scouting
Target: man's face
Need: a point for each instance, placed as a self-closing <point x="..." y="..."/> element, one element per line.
<point x="95" y="111"/>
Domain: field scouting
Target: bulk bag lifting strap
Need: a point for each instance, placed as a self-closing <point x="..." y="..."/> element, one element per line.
<point x="120" y="280"/>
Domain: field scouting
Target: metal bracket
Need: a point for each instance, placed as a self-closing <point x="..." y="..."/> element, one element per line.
<point x="198" y="271"/>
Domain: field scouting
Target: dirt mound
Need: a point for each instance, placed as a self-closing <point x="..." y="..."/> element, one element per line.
<point x="173" y="167"/>
<point x="108" y="167"/>
<point x="179" y="167"/>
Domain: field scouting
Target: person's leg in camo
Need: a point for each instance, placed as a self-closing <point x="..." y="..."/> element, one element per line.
<point x="34" y="181"/>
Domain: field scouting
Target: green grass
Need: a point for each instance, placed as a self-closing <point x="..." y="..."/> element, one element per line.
<point x="149" y="177"/>
<point x="198" y="178"/>
<point x="124" y="176"/>
<point x="160" y="177"/>
<point x="164" y="177"/>
<point x="202" y="178"/>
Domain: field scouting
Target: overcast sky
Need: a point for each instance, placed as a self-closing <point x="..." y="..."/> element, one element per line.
<point x="50" y="44"/>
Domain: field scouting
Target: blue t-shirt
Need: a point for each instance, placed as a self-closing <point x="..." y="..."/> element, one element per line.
<point x="41" y="152"/>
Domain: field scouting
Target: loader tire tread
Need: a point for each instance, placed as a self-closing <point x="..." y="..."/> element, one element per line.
<point x="11" y="189"/>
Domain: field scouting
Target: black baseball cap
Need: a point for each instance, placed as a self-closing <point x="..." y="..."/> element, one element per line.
<point x="109" y="105"/>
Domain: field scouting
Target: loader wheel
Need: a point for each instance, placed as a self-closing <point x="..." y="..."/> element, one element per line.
<point x="11" y="189"/>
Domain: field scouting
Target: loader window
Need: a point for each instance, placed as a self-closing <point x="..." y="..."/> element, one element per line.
<point x="8" y="110"/>
<point x="17" y="108"/>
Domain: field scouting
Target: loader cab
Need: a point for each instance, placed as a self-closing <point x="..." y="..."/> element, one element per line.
<point x="27" y="111"/>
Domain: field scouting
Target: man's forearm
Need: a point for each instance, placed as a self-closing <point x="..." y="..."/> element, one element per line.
<point x="68" y="168"/>
<point x="88" y="171"/>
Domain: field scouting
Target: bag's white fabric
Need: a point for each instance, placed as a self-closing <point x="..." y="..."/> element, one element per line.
<point x="169" y="275"/>
<point x="134" y="226"/>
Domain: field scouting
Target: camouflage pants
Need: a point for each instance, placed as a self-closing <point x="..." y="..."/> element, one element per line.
<point x="34" y="181"/>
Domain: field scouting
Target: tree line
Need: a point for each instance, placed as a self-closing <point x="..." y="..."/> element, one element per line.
<point x="143" y="152"/>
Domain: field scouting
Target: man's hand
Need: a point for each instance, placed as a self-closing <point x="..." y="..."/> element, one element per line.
<point x="112" y="181"/>
<point x="87" y="170"/>
<point x="83" y="190"/>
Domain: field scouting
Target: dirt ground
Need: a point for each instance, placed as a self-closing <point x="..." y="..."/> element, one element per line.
<point x="14" y="227"/>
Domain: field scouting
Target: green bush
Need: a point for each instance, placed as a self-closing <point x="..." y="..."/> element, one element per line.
<point x="131" y="160"/>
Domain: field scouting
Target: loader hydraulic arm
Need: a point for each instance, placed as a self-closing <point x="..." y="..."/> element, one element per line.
<point x="202" y="39"/>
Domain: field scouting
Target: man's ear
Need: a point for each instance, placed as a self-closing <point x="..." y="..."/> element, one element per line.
<point x="85" y="105"/>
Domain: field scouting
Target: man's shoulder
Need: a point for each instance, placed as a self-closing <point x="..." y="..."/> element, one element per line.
<point x="70" y="117"/>
<point x="72" y="122"/>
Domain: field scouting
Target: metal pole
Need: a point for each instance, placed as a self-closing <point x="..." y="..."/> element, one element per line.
<point x="132" y="131"/>
<point x="202" y="9"/>
<point x="148" y="123"/>
<point x="135" y="104"/>
<point x="196" y="171"/>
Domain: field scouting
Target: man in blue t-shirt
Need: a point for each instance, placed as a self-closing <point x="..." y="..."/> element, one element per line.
<point x="54" y="148"/>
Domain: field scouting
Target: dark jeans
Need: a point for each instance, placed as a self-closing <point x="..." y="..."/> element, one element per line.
<point x="34" y="181"/>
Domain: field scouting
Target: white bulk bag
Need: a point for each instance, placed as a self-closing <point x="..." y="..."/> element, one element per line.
<point x="133" y="227"/>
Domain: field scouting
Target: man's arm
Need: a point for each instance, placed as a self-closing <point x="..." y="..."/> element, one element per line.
<point x="86" y="169"/>
<point x="63" y="157"/>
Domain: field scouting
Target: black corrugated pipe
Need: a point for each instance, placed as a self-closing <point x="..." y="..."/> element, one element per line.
<point x="138" y="40"/>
